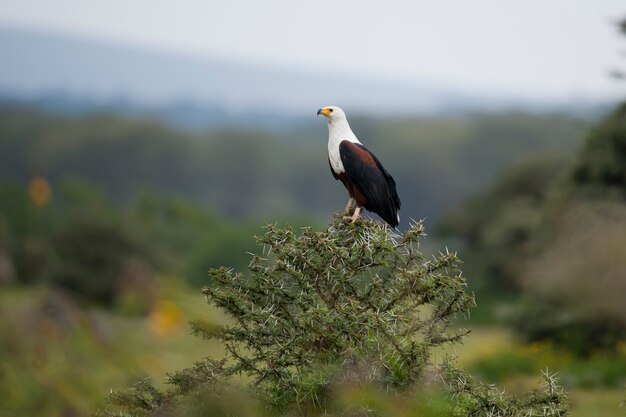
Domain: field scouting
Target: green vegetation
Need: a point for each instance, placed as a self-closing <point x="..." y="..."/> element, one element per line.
<point x="556" y="233"/>
<point x="498" y="225"/>
<point x="81" y="241"/>
<point x="253" y="174"/>
<point x="600" y="170"/>
<point x="89" y="257"/>
<point x="352" y="305"/>
<point x="60" y="358"/>
<point x="105" y="241"/>
<point x="601" y="370"/>
<point x="581" y="254"/>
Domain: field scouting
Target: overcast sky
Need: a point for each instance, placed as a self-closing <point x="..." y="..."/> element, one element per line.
<point x="528" y="48"/>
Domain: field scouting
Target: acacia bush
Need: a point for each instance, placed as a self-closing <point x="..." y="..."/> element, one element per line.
<point x="353" y="304"/>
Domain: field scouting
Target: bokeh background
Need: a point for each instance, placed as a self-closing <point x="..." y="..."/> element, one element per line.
<point x="143" y="142"/>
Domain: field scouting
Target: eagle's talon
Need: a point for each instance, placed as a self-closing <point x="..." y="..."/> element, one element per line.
<point x="351" y="203"/>
<point x="355" y="216"/>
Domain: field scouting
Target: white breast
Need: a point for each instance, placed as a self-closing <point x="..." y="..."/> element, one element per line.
<point x="338" y="131"/>
<point x="334" y="157"/>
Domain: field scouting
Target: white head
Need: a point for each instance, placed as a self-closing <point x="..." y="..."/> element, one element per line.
<point x="332" y="113"/>
<point x="338" y="127"/>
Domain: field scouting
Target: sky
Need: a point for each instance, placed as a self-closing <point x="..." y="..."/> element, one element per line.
<point x="556" y="49"/>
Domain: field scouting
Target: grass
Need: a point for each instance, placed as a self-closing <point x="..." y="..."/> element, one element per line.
<point x="57" y="359"/>
<point x="596" y="385"/>
<point x="604" y="402"/>
<point x="499" y="357"/>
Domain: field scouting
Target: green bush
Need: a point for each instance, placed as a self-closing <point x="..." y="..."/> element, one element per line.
<point x="24" y="229"/>
<point x="353" y="305"/>
<point x="88" y="259"/>
<point x="556" y="233"/>
<point x="575" y="284"/>
<point x="498" y="226"/>
<point x="601" y="166"/>
<point x="597" y="370"/>
<point x="575" y="275"/>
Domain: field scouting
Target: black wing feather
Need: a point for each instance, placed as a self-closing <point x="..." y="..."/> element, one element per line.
<point x="332" y="170"/>
<point x="374" y="181"/>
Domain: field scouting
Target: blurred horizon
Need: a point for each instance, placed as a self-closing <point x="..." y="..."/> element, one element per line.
<point x="460" y="68"/>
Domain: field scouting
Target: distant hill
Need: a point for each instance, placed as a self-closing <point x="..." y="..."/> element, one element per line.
<point x="70" y="74"/>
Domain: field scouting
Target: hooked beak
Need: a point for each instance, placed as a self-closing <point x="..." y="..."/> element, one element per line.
<point x="323" y="111"/>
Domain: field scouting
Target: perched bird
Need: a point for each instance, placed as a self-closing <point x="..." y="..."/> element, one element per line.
<point x="367" y="181"/>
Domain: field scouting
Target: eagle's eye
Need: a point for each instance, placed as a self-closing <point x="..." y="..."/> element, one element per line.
<point x="330" y="110"/>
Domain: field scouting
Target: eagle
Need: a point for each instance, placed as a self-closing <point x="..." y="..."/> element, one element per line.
<point x="369" y="184"/>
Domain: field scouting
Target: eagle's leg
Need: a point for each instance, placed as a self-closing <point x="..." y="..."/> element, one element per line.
<point x="351" y="202"/>
<point x="354" y="216"/>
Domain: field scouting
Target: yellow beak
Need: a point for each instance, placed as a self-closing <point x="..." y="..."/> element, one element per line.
<point x="324" y="111"/>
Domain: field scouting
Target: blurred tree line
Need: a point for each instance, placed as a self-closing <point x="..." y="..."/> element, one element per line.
<point x="554" y="231"/>
<point x="254" y="173"/>
<point x="74" y="237"/>
<point x="101" y="222"/>
<point x="109" y="195"/>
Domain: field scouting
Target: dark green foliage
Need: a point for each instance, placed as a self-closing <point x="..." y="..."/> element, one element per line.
<point x="556" y="232"/>
<point x="81" y="238"/>
<point x="88" y="258"/>
<point x="323" y="311"/>
<point x="598" y="369"/>
<point x="187" y="238"/>
<point x="568" y="327"/>
<point x="29" y="232"/>
<point x="575" y="284"/>
<point x="23" y="231"/>
<point x="248" y="173"/>
<point x="498" y="225"/>
<point x="577" y="267"/>
<point x="600" y="170"/>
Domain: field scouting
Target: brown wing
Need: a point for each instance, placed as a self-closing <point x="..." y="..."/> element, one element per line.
<point x="367" y="174"/>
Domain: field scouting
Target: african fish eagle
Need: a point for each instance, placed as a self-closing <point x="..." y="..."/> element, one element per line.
<point x="367" y="181"/>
